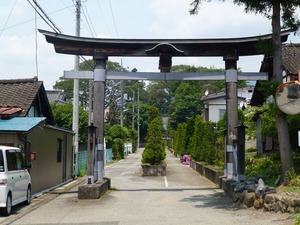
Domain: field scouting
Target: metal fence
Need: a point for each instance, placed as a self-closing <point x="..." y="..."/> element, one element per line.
<point x="83" y="158"/>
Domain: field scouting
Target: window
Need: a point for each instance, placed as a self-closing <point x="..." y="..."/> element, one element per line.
<point x="15" y="160"/>
<point x="221" y="113"/>
<point x="1" y="162"/>
<point x="59" y="149"/>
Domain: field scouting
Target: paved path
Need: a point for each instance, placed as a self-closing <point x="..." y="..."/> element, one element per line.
<point x="181" y="197"/>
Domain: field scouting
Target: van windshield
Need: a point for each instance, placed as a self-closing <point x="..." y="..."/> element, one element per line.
<point x="1" y="162"/>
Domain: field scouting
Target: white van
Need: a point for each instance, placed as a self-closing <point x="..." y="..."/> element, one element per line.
<point x="15" y="181"/>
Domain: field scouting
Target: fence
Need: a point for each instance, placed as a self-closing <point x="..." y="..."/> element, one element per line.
<point x="83" y="158"/>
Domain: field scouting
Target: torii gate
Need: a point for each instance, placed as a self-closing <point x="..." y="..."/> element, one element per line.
<point x="100" y="49"/>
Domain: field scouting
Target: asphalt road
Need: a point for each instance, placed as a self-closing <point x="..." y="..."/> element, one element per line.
<point x="181" y="197"/>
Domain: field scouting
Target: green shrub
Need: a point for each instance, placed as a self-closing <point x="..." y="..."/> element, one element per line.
<point x="293" y="179"/>
<point x="267" y="166"/>
<point x="203" y="145"/>
<point x="154" y="151"/>
<point x="82" y="173"/>
<point x="297" y="220"/>
<point x="251" y="150"/>
<point x="118" y="148"/>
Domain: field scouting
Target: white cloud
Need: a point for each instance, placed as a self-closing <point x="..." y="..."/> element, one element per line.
<point x="133" y="19"/>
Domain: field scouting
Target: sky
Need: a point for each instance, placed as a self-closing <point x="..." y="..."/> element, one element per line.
<point x="24" y="52"/>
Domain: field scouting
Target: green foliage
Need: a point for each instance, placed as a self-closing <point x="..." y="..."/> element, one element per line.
<point x="186" y="104"/>
<point x="251" y="150"/>
<point x="82" y="173"/>
<point x="133" y="137"/>
<point x="265" y="47"/>
<point x="117" y="131"/>
<point x="154" y="151"/>
<point x="118" y="148"/>
<point x="294" y="127"/>
<point x="116" y="138"/>
<point x="288" y="17"/>
<point x="293" y="179"/>
<point x="203" y="144"/>
<point x="221" y="124"/>
<point x="152" y="113"/>
<point x="297" y="220"/>
<point x="63" y="114"/>
<point x="180" y="147"/>
<point x="267" y="166"/>
<point x="267" y="88"/>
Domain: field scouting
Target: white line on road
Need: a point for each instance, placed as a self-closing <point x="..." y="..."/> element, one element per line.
<point x="166" y="181"/>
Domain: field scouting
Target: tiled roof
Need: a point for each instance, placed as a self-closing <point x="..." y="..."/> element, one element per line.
<point x="19" y="93"/>
<point x="291" y="58"/>
<point x="290" y="62"/>
<point x="56" y="96"/>
<point x="24" y="93"/>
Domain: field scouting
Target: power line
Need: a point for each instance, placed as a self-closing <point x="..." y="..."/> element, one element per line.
<point x="43" y="15"/>
<point x="8" y="17"/>
<point x="103" y="18"/>
<point x="27" y="21"/>
<point x="112" y="13"/>
<point x="88" y="20"/>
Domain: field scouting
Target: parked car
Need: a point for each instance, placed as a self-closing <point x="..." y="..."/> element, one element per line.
<point x="15" y="181"/>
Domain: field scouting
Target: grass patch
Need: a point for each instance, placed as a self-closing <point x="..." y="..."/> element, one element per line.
<point x="289" y="189"/>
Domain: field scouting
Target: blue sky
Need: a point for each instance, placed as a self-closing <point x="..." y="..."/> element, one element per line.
<point x="21" y="46"/>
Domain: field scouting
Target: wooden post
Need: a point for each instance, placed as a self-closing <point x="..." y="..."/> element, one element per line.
<point x="241" y="152"/>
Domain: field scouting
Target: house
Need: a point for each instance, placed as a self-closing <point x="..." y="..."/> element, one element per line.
<point x="26" y="121"/>
<point x="291" y="66"/>
<point x="57" y="96"/>
<point x="215" y="103"/>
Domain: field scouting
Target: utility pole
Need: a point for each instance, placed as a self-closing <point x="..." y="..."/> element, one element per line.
<point x="132" y="111"/>
<point x="138" y="119"/>
<point x="122" y="98"/>
<point x="76" y="94"/>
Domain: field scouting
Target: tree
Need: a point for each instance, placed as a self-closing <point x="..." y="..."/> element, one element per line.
<point x="116" y="138"/>
<point x="272" y="9"/>
<point x="186" y="104"/>
<point x="63" y="117"/>
<point x="154" y="151"/>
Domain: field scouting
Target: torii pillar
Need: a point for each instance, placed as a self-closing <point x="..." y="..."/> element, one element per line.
<point x="98" y="112"/>
<point x="231" y="115"/>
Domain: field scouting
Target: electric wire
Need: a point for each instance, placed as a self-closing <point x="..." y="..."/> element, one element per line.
<point x="36" y="46"/>
<point x="28" y="21"/>
<point x="48" y="18"/>
<point x="12" y="9"/>
<point x="112" y="13"/>
<point x="54" y="27"/>
<point x="103" y="18"/>
<point x="49" y="23"/>
<point x="88" y="20"/>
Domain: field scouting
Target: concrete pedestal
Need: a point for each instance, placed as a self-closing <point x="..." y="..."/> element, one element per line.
<point x="94" y="191"/>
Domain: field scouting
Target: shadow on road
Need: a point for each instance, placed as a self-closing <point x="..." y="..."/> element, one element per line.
<point x="216" y="200"/>
<point x="166" y="189"/>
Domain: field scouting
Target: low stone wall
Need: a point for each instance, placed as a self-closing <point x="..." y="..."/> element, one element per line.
<point x="276" y="202"/>
<point x="212" y="175"/>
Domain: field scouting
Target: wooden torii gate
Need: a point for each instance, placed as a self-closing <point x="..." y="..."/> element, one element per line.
<point x="100" y="49"/>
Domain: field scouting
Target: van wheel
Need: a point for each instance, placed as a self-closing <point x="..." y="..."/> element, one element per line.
<point x="28" y="196"/>
<point x="6" y="211"/>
